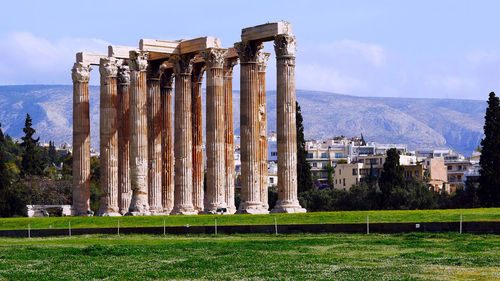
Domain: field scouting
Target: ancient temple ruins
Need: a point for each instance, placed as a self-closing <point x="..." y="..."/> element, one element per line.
<point x="151" y="129"/>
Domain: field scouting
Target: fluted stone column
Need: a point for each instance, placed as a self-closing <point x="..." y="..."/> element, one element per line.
<point x="81" y="140"/>
<point x="124" y="191"/>
<point x="139" y="205"/>
<point x="216" y="145"/>
<point x="249" y="128"/>
<point x="284" y="46"/>
<point x="108" y="138"/>
<point x="196" y="116"/>
<point x="154" y="139"/>
<point x="263" y="147"/>
<point x="229" y="134"/>
<point x="183" y="199"/>
<point x="167" y="141"/>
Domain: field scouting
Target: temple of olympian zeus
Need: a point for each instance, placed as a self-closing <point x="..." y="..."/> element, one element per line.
<point x="151" y="132"/>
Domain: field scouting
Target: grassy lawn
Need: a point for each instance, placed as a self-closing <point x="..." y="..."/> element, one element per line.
<point x="483" y="214"/>
<point x="414" y="256"/>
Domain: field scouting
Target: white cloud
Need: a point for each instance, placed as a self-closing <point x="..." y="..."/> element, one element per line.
<point x="29" y="59"/>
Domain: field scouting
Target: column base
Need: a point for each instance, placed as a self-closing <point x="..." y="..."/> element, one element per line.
<point x="184" y="210"/>
<point x="167" y="211"/>
<point x="231" y="210"/>
<point x="138" y="214"/>
<point x="254" y="208"/>
<point x="288" y="207"/>
<point x="123" y="212"/>
<point x="156" y="211"/>
<point x="108" y="212"/>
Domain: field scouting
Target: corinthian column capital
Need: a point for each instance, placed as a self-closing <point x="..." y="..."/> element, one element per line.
<point x="285" y="45"/>
<point x="182" y="64"/>
<point x="108" y="67"/>
<point x="123" y="74"/>
<point x="138" y="60"/>
<point x="262" y="59"/>
<point x="80" y="72"/>
<point x="198" y="71"/>
<point x="229" y="64"/>
<point x="214" y="58"/>
<point x="166" y="77"/>
<point x="248" y="50"/>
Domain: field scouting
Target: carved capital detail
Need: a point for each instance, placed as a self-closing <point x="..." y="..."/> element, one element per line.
<point x="229" y="64"/>
<point x="214" y="58"/>
<point x="182" y="64"/>
<point x="123" y="74"/>
<point x="262" y="59"/>
<point x="166" y="77"/>
<point x="198" y="71"/>
<point x="80" y="72"/>
<point x="153" y="70"/>
<point x="285" y="45"/>
<point x="247" y="51"/>
<point x="138" y="60"/>
<point x="108" y="67"/>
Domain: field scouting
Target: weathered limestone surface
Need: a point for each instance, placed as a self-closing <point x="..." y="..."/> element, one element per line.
<point x="229" y="133"/>
<point x="89" y="58"/>
<point x="216" y="145"/>
<point x="266" y="32"/>
<point x="124" y="191"/>
<point x="284" y="46"/>
<point x="249" y="124"/>
<point x="183" y="199"/>
<point x="81" y="139"/>
<point x="196" y="117"/>
<point x="138" y="135"/>
<point x="263" y="149"/>
<point x="109" y="138"/>
<point x="120" y="52"/>
<point x="154" y="139"/>
<point x="167" y="141"/>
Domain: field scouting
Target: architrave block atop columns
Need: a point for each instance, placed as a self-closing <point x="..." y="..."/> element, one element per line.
<point x="266" y="32"/>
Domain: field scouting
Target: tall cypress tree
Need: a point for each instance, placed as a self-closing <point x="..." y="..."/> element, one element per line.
<point x="304" y="178"/>
<point x="392" y="174"/>
<point x="489" y="180"/>
<point x="31" y="163"/>
<point x="4" y="178"/>
<point x="52" y="152"/>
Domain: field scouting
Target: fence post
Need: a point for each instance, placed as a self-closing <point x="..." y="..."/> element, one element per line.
<point x="460" y="224"/>
<point x="215" y="226"/>
<point x="69" y="228"/>
<point x="367" y="225"/>
<point x="118" y="227"/>
<point x="275" y="226"/>
<point x="164" y="230"/>
<point x="29" y="230"/>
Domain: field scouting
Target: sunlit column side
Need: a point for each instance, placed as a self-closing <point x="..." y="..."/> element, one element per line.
<point x="108" y="138"/>
<point x="138" y="134"/>
<point x="81" y="140"/>
<point x="124" y="191"/>
<point x="284" y="46"/>
<point x="229" y="134"/>
<point x="263" y="147"/>
<point x="196" y="117"/>
<point x="216" y="170"/>
<point x="183" y="198"/>
<point x="249" y="128"/>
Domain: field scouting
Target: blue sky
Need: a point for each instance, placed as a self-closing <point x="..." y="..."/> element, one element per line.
<point x="440" y="49"/>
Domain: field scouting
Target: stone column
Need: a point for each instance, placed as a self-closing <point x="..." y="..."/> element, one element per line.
<point x="229" y="133"/>
<point x="154" y="139"/>
<point x="249" y="128"/>
<point x="196" y="116"/>
<point x="284" y="46"/>
<point x="124" y="191"/>
<point x="216" y="145"/>
<point x="183" y="198"/>
<point x="81" y="140"/>
<point x="167" y="141"/>
<point x="108" y="138"/>
<point x="263" y="149"/>
<point x="138" y="135"/>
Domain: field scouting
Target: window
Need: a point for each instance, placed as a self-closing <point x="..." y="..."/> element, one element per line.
<point x="274" y="153"/>
<point x="361" y="161"/>
<point x="324" y="155"/>
<point x="271" y="180"/>
<point x="354" y="172"/>
<point x="309" y="155"/>
<point x="338" y="155"/>
<point x="373" y="161"/>
<point x="416" y="173"/>
<point x="324" y="164"/>
<point x="340" y="171"/>
<point x="315" y="164"/>
<point x="380" y="161"/>
<point x="344" y="182"/>
<point x="449" y="168"/>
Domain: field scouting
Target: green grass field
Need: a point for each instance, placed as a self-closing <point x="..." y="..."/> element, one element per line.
<point x="416" y="256"/>
<point x="483" y="214"/>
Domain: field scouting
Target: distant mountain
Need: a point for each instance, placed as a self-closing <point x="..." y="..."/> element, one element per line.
<point x="420" y="123"/>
